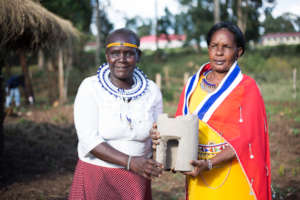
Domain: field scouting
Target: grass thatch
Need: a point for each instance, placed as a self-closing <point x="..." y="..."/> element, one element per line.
<point x="25" y="24"/>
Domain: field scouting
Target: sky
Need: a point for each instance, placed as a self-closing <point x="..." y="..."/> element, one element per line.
<point x="119" y="9"/>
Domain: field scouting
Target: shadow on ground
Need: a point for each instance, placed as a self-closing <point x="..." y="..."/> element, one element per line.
<point x="34" y="150"/>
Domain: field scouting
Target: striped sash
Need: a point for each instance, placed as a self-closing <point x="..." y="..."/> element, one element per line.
<point x="206" y="108"/>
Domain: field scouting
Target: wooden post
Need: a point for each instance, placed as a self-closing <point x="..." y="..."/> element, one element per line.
<point x="41" y="59"/>
<point x="62" y="97"/>
<point x="69" y="66"/>
<point x="185" y="77"/>
<point x="294" y="83"/>
<point x="158" y="80"/>
<point x="52" y="84"/>
<point x="28" y="86"/>
<point x="167" y="78"/>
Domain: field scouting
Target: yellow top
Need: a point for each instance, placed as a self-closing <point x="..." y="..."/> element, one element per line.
<point x="225" y="181"/>
<point x="121" y="44"/>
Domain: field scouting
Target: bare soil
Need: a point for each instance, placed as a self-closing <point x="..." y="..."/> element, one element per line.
<point x="40" y="156"/>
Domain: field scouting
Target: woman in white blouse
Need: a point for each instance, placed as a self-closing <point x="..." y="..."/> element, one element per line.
<point x="113" y="113"/>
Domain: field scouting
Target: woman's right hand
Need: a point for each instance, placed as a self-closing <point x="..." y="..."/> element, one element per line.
<point x="155" y="136"/>
<point x="199" y="166"/>
<point x="147" y="168"/>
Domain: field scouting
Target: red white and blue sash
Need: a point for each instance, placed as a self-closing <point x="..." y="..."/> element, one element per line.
<point x="206" y="108"/>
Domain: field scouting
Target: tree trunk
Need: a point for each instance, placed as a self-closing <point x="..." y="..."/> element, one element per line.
<point x="156" y="27"/>
<point x="62" y="97"/>
<point x="28" y="91"/>
<point x="198" y="47"/>
<point x="98" y="37"/>
<point x="242" y="15"/>
<point x="216" y="11"/>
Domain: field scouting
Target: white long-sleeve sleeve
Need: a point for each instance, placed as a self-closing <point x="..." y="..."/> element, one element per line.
<point x="86" y="118"/>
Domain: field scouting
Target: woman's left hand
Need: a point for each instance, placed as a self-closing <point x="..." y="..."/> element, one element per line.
<point x="147" y="168"/>
<point x="199" y="166"/>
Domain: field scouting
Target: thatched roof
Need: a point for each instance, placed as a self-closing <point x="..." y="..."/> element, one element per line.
<point x="25" y="24"/>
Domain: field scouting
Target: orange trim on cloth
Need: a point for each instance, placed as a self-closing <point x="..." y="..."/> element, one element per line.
<point x="241" y="120"/>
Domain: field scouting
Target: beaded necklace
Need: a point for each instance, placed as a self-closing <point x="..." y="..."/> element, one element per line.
<point x="139" y="88"/>
<point x="207" y="86"/>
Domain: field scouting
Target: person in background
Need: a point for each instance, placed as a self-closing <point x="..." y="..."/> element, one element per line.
<point x="13" y="92"/>
<point x="234" y="158"/>
<point x="113" y="114"/>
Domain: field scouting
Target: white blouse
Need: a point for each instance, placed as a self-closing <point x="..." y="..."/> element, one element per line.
<point x="101" y="117"/>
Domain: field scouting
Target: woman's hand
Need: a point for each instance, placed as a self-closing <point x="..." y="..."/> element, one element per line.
<point x="155" y="136"/>
<point x="199" y="166"/>
<point x="147" y="168"/>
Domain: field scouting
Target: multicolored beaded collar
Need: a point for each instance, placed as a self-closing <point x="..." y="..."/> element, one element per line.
<point x="139" y="87"/>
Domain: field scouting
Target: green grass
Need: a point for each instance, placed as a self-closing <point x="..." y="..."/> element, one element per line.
<point x="271" y="68"/>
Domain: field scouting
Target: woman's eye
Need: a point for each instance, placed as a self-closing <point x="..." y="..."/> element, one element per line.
<point x="213" y="46"/>
<point x="115" y="54"/>
<point x="129" y="54"/>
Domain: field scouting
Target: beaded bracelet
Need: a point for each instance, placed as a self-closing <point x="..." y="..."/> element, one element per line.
<point x="128" y="163"/>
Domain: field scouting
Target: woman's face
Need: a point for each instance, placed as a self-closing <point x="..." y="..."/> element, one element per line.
<point x="223" y="51"/>
<point x="122" y="59"/>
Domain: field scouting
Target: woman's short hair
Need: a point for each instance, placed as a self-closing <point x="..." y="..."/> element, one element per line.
<point x="234" y="29"/>
<point x="123" y="31"/>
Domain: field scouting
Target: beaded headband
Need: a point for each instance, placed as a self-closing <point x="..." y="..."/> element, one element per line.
<point x="121" y="44"/>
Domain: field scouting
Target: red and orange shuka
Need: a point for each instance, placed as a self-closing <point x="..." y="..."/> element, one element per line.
<point x="240" y="118"/>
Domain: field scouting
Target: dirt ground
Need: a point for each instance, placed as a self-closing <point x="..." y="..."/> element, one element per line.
<point x="40" y="156"/>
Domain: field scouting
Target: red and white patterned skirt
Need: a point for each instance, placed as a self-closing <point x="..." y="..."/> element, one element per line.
<point x="92" y="182"/>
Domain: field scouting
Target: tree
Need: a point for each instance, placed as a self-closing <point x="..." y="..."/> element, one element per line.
<point x="164" y="24"/>
<point x="198" y="19"/>
<point x="141" y="26"/>
<point x="98" y="36"/>
<point x="282" y="23"/>
<point x="216" y="11"/>
<point x="79" y="12"/>
<point x="145" y="28"/>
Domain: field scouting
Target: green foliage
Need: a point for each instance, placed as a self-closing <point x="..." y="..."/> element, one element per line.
<point x="194" y="25"/>
<point x="297" y="118"/>
<point x="282" y="23"/>
<point x="280" y="193"/>
<point x="141" y="26"/>
<point x="168" y="95"/>
<point x="79" y="12"/>
<point x="60" y="118"/>
<point x="164" y="23"/>
<point x="296" y="131"/>
<point x="273" y="72"/>
<point x="281" y="170"/>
